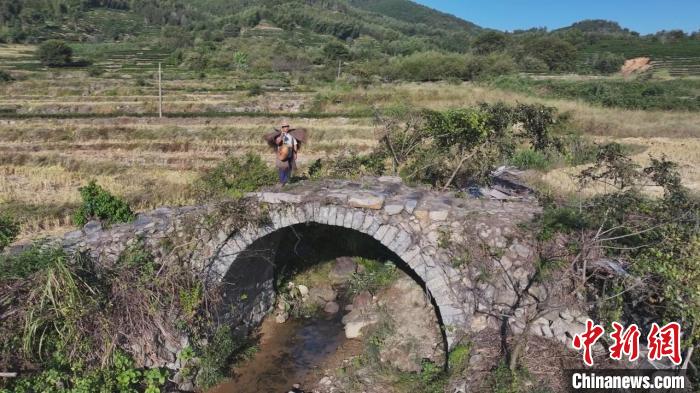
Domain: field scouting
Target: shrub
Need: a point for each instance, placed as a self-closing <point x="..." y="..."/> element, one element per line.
<point x="655" y="240"/>
<point x="336" y="51"/>
<point x="608" y="63"/>
<point x="216" y="357"/>
<point x="235" y="176"/>
<point x="489" y="42"/>
<point x="349" y="164"/>
<point x="55" y="53"/>
<point x="95" y="71"/>
<point x="255" y="90"/>
<point x="5" y="76"/>
<point x="557" y="53"/>
<point x="9" y="229"/>
<point x="533" y="64"/>
<point x="98" y="203"/>
<point x="530" y="159"/>
<point x="119" y="375"/>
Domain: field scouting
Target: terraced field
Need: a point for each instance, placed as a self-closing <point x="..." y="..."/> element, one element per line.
<point x="677" y="66"/>
<point x="93" y="128"/>
<point x="61" y="129"/>
<point x="679" y="59"/>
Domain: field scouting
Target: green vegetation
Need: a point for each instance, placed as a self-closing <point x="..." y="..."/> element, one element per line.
<point x="656" y="240"/>
<point x="5" y="77"/>
<point x="235" y="176"/>
<point x="118" y="376"/>
<point x="55" y="53"/>
<point x="99" y="204"/>
<point x="458" y="358"/>
<point x="59" y="317"/>
<point x="217" y="356"/>
<point x="28" y="262"/>
<point x="462" y="146"/>
<point x="372" y="277"/>
<point x="606" y="62"/>
<point x="530" y="159"/>
<point x="292" y="37"/>
<point x="633" y="94"/>
<point x="69" y="318"/>
<point x="9" y="229"/>
<point x="458" y="147"/>
<point x="504" y="380"/>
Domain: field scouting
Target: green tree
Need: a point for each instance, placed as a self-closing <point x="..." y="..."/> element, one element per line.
<point x="557" y="53"/>
<point x="55" y="53"/>
<point x="607" y="62"/>
<point x="336" y="51"/>
<point x="489" y="42"/>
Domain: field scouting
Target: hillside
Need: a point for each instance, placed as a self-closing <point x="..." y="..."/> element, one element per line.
<point x="600" y="26"/>
<point x="386" y="20"/>
<point x="377" y="40"/>
<point x="411" y="12"/>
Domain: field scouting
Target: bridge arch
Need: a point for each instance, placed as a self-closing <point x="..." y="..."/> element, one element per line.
<point x="401" y="241"/>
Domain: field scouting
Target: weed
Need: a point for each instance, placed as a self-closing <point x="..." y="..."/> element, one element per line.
<point x="503" y="380"/>
<point x="373" y="277"/>
<point x="190" y="299"/>
<point x="223" y="347"/>
<point x="9" y="229"/>
<point x="531" y="159"/>
<point x="28" y="262"/>
<point x="458" y="358"/>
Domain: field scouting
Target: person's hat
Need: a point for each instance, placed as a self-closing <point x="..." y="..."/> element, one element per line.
<point x="285" y="123"/>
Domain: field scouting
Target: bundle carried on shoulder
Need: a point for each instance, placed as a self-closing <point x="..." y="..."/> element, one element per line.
<point x="300" y="134"/>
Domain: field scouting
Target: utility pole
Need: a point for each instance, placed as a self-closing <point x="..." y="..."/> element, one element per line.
<point x="160" y="92"/>
<point x="339" y="63"/>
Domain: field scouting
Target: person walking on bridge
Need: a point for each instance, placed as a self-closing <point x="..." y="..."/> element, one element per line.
<point x="286" y="142"/>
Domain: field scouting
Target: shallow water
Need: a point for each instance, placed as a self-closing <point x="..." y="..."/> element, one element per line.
<point x="296" y="351"/>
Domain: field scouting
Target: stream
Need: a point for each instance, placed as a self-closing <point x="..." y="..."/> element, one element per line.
<point x="295" y="352"/>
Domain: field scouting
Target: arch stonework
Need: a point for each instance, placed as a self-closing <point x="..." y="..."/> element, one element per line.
<point x="435" y="272"/>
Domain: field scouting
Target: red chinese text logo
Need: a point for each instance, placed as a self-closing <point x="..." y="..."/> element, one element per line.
<point x="663" y="342"/>
<point x="626" y="342"/>
<point x="587" y="339"/>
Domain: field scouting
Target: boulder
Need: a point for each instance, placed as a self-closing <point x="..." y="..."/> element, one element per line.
<point x="342" y="270"/>
<point x="303" y="290"/>
<point x="281" y="317"/>
<point x="331" y="308"/>
<point x="357" y="320"/>
<point x="322" y="294"/>
<point x="417" y="334"/>
<point x="362" y="300"/>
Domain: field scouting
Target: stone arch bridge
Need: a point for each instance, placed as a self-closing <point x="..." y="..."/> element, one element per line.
<point x="473" y="256"/>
